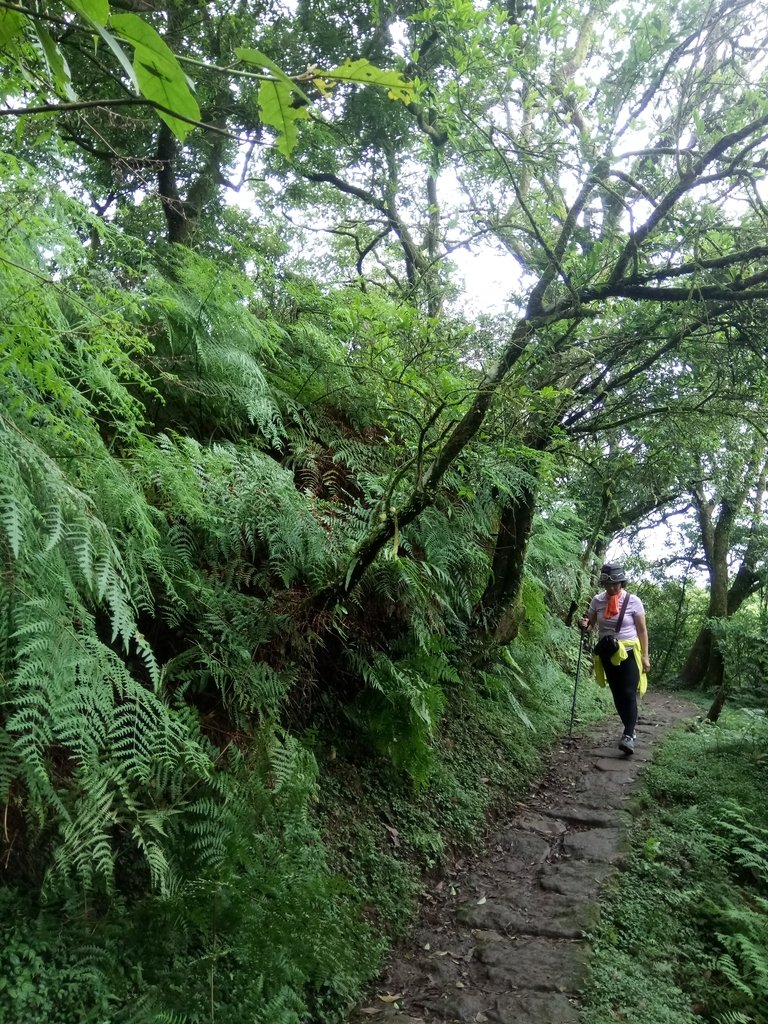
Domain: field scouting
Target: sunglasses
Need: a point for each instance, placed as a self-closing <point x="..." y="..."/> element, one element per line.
<point x="612" y="579"/>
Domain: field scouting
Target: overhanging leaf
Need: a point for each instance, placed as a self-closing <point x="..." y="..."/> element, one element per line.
<point x="96" y="11"/>
<point x="120" y="53"/>
<point x="323" y="86"/>
<point x="277" y="111"/>
<point x="11" y="25"/>
<point x="256" y="57"/>
<point x="158" y="73"/>
<point x="362" y="72"/>
<point x="57" y="64"/>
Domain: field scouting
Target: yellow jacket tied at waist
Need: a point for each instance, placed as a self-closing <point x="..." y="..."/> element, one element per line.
<point x="626" y="648"/>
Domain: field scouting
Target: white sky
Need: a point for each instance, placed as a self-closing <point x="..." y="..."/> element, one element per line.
<point x="488" y="277"/>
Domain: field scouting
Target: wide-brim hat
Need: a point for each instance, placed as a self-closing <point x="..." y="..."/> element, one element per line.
<point x="613" y="572"/>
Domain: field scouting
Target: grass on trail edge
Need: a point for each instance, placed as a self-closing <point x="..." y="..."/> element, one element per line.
<point x="683" y="936"/>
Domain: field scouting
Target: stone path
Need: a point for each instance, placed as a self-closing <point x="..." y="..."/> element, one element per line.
<point x="502" y="938"/>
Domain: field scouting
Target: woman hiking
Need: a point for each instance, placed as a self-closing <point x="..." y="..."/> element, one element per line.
<point x="621" y="652"/>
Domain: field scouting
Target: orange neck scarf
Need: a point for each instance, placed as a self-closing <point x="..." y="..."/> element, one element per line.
<point x="614" y="605"/>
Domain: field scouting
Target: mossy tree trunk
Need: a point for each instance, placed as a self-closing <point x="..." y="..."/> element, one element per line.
<point x="500" y="608"/>
<point x="704" y="665"/>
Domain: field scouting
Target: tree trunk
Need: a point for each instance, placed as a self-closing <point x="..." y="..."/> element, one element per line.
<point x="716" y="537"/>
<point x="747" y="581"/>
<point x="695" y="667"/>
<point x="715" y="669"/>
<point x="182" y="215"/>
<point x="174" y="207"/>
<point x="499" y="607"/>
<point x="717" y="704"/>
<point x="704" y="665"/>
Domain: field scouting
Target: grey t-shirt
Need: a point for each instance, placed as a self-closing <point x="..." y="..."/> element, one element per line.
<point x="608" y="626"/>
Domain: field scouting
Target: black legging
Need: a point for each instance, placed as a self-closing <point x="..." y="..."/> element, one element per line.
<point x="623" y="680"/>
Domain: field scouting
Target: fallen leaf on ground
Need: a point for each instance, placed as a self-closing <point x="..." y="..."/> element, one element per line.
<point x="390" y="999"/>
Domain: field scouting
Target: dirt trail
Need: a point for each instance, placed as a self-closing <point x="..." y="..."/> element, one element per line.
<point x="502" y="939"/>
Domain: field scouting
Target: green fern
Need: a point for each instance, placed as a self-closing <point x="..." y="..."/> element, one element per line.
<point x="402" y="705"/>
<point x="741" y="920"/>
<point x="183" y="464"/>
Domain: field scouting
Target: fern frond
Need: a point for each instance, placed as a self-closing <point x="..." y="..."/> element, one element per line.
<point x="733" y="972"/>
<point x="733" y="1017"/>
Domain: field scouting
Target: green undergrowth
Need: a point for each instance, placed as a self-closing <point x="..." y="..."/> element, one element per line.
<point x="385" y="833"/>
<point x="219" y="787"/>
<point x="323" y="870"/>
<point x="267" y="934"/>
<point x="684" y="936"/>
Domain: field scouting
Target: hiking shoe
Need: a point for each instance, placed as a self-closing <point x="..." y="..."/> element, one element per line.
<point x="627" y="744"/>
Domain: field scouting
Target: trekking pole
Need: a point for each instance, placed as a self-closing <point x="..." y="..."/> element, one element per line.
<point x="582" y="643"/>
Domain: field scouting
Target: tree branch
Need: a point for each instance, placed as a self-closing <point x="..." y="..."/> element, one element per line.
<point x="35" y="15"/>
<point x="685" y="183"/>
<point x="719" y="263"/>
<point x="118" y="101"/>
